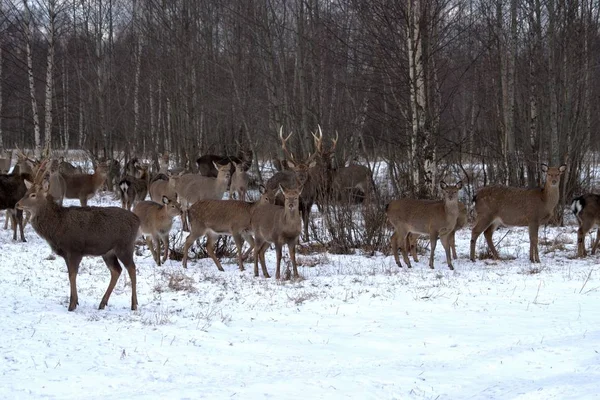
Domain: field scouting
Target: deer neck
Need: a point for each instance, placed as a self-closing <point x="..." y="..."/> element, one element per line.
<point x="550" y="195"/>
<point x="45" y="218"/>
<point x="290" y="218"/>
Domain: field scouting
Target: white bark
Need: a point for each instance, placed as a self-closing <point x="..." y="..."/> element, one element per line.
<point x="49" y="78"/>
<point x="28" y="28"/>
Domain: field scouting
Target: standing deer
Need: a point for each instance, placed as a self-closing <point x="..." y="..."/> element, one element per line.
<point x="277" y="225"/>
<point x="239" y="182"/>
<point x="587" y="210"/>
<point x="214" y="218"/>
<point x="311" y="174"/>
<point x="133" y="189"/>
<point x="435" y="218"/>
<point x="511" y="206"/>
<point x="75" y="232"/>
<point x="84" y="186"/>
<point x="191" y="188"/>
<point x="12" y="189"/>
<point x="156" y="221"/>
<point x="461" y="222"/>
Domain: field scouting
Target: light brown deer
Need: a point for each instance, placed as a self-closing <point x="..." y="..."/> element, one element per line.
<point x="277" y="225"/>
<point x="587" y="210"/>
<point x="214" y="218"/>
<point x="74" y="232"/>
<point x="461" y="222"/>
<point x="191" y="188"/>
<point x="511" y="206"/>
<point x="156" y="222"/>
<point x="84" y="186"/>
<point x="239" y="183"/>
<point x="435" y="218"/>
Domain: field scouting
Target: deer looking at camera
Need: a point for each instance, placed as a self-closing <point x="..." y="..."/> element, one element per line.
<point x="512" y="206"/>
<point x="461" y="222"/>
<point x="435" y="218"/>
<point x="214" y="218"/>
<point x="277" y="225"/>
<point x="74" y="232"/>
<point x="156" y="222"/>
<point x="587" y="211"/>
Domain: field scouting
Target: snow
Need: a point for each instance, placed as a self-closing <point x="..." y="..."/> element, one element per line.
<point x="353" y="327"/>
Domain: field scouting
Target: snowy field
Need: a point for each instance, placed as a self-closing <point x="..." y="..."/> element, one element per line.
<point x="355" y="327"/>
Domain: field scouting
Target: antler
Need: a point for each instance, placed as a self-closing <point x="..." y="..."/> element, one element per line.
<point x="318" y="139"/>
<point x="39" y="175"/>
<point x="283" y="142"/>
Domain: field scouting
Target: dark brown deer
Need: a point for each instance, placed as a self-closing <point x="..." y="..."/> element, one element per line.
<point x="587" y="211"/>
<point x="206" y="163"/>
<point x="435" y="218"/>
<point x="12" y="189"/>
<point x="512" y="206"/>
<point x="156" y="222"/>
<point x="277" y="225"/>
<point x="74" y="232"/>
<point x="134" y="189"/>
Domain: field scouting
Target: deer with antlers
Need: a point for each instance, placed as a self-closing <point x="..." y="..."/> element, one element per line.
<point x="311" y="174"/>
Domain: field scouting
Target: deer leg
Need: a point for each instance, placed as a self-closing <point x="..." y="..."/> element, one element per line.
<point x="239" y="242"/>
<point x="452" y="242"/>
<point x="72" y="268"/>
<point x="433" y="237"/>
<point x="126" y="257"/>
<point x="156" y="238"/>
<point x="248" y="238"/>
<point x="278" y="251"/>
<point x="534" y="255"/>
<point x="488" y="238"/>
<point x="83" y="201"/>
<point x="188" y="243"/>
<point x="292" y="250"/>
<point x="151" y="247"/>
<point x="165" y="240"/>
<point x="20" y="224"/>
<point x="479" y="227"/>
<point x="584" y="228"/>
<point x="595" y="245"/>
<point x="394" y="245"/>
<point x="404" y="236"/>
<point x="413" y="246"/>
<point x="446" y="243"/>
<point x="259" y="254"/>
<point x="210" y="249"/>
<point x="111" y="261"/>
<point x="6" y="213"/>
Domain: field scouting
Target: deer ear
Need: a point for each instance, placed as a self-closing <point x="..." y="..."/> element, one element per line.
<point x="45" y="186"/>
<point x="312" y="164"/>
<point x="459" y="185"/>
<point x="544" y="168"/>
<point x="262" y="189"/>
<point x="28" y="184"/>
<point x="291" y="164"/>
<point x="165" y="200"/>
<point x="443" y="185"/>
<point x="562" y="168"/>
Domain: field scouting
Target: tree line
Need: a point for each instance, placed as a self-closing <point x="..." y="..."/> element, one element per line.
<point x="430" y="86"/>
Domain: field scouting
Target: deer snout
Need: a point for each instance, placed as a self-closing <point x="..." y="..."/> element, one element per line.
<point x="19" y="206"/>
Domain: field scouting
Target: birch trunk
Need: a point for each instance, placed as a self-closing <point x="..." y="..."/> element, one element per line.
<point x="28" y="28"/>
<point x="49" y="79"/>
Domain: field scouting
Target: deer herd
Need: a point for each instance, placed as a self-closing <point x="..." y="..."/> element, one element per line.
<point x="279" y="217"/>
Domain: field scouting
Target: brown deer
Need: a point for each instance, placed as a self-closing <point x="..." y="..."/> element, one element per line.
<point x="511" y="206"/>
<point x="74" y="232"/>
<point x="461" y="222"/>
<point x="587" y="211"/>
<point x="84" y="186"/>
<point x="307" y="173"/>
<point x="12" y="189"/>
<point x="214" y="218"/>
<point x="435" y="218"/>
<point x="191" y="188"/>
<point x="277" y="225"/>
<point x="239" y="183"/>
<point x="134" y="189"/>
<point x="156" y="222"/>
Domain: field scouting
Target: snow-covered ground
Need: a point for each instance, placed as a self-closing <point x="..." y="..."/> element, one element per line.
<point x="354" y="327"/>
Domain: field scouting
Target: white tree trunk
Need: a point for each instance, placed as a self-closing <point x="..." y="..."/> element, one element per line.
<point x="49" y="79"/>
<point x="28" y="28"/>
